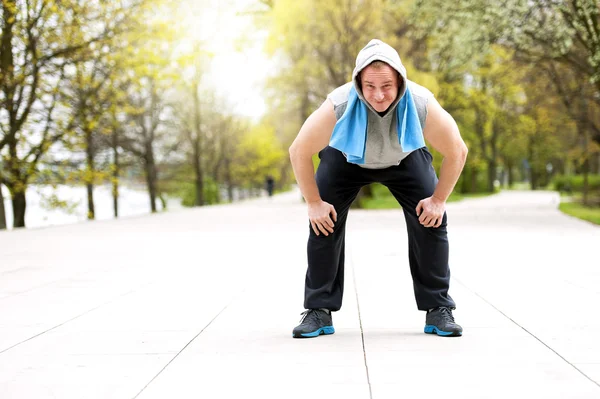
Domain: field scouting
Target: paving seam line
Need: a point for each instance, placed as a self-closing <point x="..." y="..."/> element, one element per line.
<point x="188" y="344"/>
<point x="362" y="334"/>
<point x="528" y="332"/>
<point x="74" y="318"/>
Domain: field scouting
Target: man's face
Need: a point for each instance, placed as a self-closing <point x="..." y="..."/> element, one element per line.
<point x="379" y="86"/>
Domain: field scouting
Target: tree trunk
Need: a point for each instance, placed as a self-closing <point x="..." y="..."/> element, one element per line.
<point x="90" y="196"/>
<point x="230" y="192"/>
<point x="365" y="192"/>
<point x="481" y="120"/>
<point x="151" y="178"/>
<point x="2" y="211"/>
<point x="493" y="160"/>
<point x="199" y="180"/>
<point x="19" y="204"/>
<point x="89" y="178"/>
<point x="474" y="174"/>
<point x="215" y="177"/>
<point x="586" y="167"/>
<point x="491" y="174"/>
<point x="283" y="172"/>
<point x="115" y="176"/>
<point x="464" y="181"/>
<point x="197" y="146"/>
<point x="533" y="181"/>
<point x="582" y="129"/>
<point x="163" y="202"/>
<point x="228" y="179"/>
<point x="586" y="180"/>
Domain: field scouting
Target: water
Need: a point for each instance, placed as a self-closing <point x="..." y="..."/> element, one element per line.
<point x="131" y="202"/>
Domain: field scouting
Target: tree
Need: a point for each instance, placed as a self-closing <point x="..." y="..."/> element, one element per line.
<point x="2" y="210"/>
<point x="566" y="32"/>
<point x="259" y="154"/>
<point x="148" y="81"/>
<point x="147" y="115"/>
<point x="39" y="40"/>
<point x="191" y="113"/>
<point x="88" y="103"/>
<point x="563" y="32"/>
<point x="544" y="34"/>
<point x="223" y="134"/>
<point x="475" y="82"/>
<point x="495" y="96"/>
<point x="317" y="43"/>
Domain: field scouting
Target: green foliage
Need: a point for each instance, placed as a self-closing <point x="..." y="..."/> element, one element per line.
<point x="211" y="191"/>
<point x="52" y="202"/>
<point x="187" y="193"/>
<point x="574" y="183"/>
<point x="258" y="154"/>
<point x="316" y="43"/>
<point x="383" y="199"/>
<point x="521" y="79"/>
<point x="591" y="214"/>
<point x="508" y="110"/>
<point x="316" y="161"/>
<point x="57" y="57"/>
<point x="472" y="180"/>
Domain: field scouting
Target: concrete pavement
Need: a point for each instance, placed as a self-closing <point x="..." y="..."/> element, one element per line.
<point x="201" y="303"/>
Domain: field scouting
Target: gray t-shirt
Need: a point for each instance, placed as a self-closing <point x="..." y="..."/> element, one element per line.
<point x="382" y="147"/>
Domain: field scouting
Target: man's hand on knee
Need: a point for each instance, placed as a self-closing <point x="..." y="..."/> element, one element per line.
<point x="431" y="211"/>
<point x="322" y="216"/>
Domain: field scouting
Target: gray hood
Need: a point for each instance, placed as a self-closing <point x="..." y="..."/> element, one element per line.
<point x="376" y="50"/>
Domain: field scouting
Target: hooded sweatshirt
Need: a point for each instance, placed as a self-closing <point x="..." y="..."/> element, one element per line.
<point x="382" y="146"/>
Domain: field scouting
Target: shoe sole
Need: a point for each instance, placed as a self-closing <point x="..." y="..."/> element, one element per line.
<point x="429" y="329"/>
<point x="321" y="331"/>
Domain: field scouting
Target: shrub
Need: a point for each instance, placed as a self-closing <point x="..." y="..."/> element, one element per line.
<point x="574" y="183"/>
<point x="187" y="193"/>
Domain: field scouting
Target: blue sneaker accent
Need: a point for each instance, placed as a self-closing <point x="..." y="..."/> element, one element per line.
<point x="440" y="321"/>
<point x="429" y="329"/>
<point x="323" y="330"/>
<point x="314" y="322"/>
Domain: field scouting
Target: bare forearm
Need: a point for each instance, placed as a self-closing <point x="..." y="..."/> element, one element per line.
<point x="305" y="176"/>
<point x="450" y="171"/>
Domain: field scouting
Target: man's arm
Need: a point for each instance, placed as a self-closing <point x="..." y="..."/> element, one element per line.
<point x="312" y="138"/>
<point x="442" y="133"/>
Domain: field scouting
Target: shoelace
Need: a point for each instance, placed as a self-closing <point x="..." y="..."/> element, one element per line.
<point x="308" y="312"/>
<point x="447" y="314"/>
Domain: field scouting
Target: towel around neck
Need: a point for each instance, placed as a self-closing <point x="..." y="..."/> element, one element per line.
<point x="350" y="132"/>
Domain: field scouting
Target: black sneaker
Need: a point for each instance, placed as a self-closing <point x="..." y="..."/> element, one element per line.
<point x="441" y="322"/>
<point x="314" y="322"/>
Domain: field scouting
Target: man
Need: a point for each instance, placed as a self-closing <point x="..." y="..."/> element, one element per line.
<point x="372" y="129"/>
<point x="270" y="185"/>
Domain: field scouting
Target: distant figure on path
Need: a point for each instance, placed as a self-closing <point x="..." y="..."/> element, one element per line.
<point x="373" y="129"/>
<point x="270" y="185"/>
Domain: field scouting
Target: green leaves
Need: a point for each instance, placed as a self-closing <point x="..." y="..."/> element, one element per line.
<point x="259" y="154"/>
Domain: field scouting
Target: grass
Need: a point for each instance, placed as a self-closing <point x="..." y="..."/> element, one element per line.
<point x="380" y="202"/>
<point x="570" y="204"/>
<point x="580" y="211"/>
<point x="383" y="199"/>
<point x="519" y="186"/>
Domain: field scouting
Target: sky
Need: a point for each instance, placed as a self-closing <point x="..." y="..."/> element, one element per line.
<point x="236" y="76"/>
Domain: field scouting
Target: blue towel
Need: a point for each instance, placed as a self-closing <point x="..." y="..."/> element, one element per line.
<point x="350" y="132"/>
